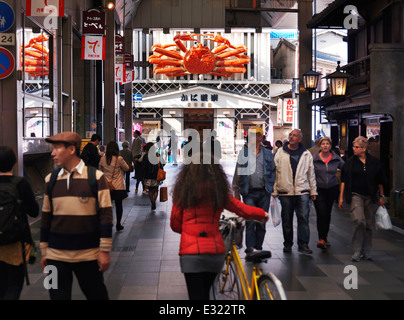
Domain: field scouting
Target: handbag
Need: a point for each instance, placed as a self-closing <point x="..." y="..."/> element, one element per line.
<point x="382" y="219"/>
<point x="110" y="185"/>
<point x="163" y="194"/>
<point x="276" y="209"/>
<point x="161" y="174"/>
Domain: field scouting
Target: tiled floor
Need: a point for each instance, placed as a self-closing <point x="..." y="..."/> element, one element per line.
<point x="145" y="264"/>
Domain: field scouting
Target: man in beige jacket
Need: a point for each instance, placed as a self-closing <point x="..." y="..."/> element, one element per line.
<point x="295" y="184"/>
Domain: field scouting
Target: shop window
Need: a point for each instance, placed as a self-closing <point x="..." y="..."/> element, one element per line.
<point x="35" y="60"/>
<point x="37" y="119"/>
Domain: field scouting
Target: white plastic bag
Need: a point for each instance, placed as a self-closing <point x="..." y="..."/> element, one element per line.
<point x="276" y="209"/>
<point x="382" y="219"/>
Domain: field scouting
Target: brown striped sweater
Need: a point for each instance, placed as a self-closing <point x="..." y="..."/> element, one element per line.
<point x="74" y="232"/>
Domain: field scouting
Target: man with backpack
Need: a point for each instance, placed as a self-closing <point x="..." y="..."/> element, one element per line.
<point x="90" y="154"/>
<point x="16" y="201"/>
<point x="76" y="225"/>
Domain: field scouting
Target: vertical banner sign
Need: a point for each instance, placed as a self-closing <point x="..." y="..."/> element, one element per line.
<point x="280" y="112"/>
<point x="37" y="7"/>
<point x="288" y="105"/>
<point x="94" y="22"/>
<point x="128" y="59"/>
<point x="93" y="47"/>
<point x="119" y="72"/>
<point x="119" y="45"/>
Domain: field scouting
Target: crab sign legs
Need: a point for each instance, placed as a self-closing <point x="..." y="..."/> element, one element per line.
<point x="224" y="60"/>
<point x="36" y="60"/>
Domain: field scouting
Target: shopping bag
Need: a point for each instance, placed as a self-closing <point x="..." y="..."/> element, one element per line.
<point x="161" y="174"/>
<point x="382" y="219"/>
<point x="276" y="209"/>
<point x="163" y="194"/>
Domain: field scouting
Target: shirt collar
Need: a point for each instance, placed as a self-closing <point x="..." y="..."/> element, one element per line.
<point x="79" y="168"/>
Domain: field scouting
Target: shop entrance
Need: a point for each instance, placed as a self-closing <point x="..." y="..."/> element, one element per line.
<point x="199" y="120"/>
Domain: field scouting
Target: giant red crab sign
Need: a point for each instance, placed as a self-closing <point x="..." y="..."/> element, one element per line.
<point x="224" y="60"/>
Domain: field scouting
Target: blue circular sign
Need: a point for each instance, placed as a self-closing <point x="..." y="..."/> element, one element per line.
<point x="7" y="63"/>
<point x="6" y="16"/>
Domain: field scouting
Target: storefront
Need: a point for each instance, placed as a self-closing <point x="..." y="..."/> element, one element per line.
<point x="203" y="109"/>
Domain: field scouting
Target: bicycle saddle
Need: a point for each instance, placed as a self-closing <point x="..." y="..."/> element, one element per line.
<point x="258" y="257"/>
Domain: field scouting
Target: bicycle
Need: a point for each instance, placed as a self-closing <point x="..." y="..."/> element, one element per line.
<point x="232" y="282"/>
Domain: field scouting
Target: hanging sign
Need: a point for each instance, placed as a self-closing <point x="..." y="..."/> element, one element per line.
<point x="119" y="45"/>
<point x="93" y="47"/>
<point x="7" y="16"/>
<point x="94" y="22"/>
<point x="288" y="105"/>
<point x="279" y="113"/>
<point x="119" y="72"/>
<point x="37" y="7"/>
<point x="128" y="60"/>
<point x="7" y="63"/>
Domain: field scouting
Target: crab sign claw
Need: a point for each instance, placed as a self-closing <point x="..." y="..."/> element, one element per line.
<point x="219" y="39"/>
<point x="183" y="37"/>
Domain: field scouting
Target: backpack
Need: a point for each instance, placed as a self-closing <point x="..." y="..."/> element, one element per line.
<point x="92" y="181"/>
<point x="12" y="222"/>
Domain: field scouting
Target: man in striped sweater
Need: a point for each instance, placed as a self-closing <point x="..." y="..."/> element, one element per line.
<point x="75" y="237"/>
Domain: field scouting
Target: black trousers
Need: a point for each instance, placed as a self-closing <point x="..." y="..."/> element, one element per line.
<point x="91" y="280"/>
<point x="11" y="281"/>
<point x="198" y="284"/>
<point x="323" y="204"/>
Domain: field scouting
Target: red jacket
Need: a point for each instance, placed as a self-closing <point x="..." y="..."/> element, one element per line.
<point x="199" y="226"/>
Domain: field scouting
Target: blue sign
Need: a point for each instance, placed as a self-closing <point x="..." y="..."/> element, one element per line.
<point x="7" y="16"/>
<point x="7" y="63"/>
<point x="284" y="34"/>
<point x="137" y="97"/>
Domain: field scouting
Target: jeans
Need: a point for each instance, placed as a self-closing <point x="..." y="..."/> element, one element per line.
<point x="323" y="204"/>
<point x="255" y="232"/>
<point x="300" y="205"/>
<point x="90" y="280"/>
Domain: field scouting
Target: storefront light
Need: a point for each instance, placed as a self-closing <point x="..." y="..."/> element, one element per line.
<point x="337" y="82"/>
<point x="310" y="80"/>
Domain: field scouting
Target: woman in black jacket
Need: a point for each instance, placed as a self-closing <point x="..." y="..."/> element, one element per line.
<point x="362" y="182"/>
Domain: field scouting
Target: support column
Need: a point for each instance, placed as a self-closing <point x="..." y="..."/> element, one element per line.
<point x="109" y="122"/>
<point x="65" y="63"/>
<point x="128" y="116"/>
<point x="305" y="63"/>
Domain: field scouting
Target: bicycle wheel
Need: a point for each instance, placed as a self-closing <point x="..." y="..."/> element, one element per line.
<point x="227" y="284"/>
<point x="270" y="287"/>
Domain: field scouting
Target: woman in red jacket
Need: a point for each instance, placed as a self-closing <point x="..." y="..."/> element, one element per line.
<point x="200" y="195"/>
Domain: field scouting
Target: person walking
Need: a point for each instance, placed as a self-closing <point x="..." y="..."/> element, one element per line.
<point x="12" y="260"/>
<point x="126" y="154"/>
<point x="139" y="172"/>
<point x="137" y="143"/>
<point x="76" y="222"/>
<point x="362" y="180"/>
<point x="326" y="164"/>
<point x="295" y="184"/>
<point x="201" y="193"/>
<point x="113" y="166"/>
<point x="255" y="188"/>
<point x="90" y="154"/>
<point x="150" y="173"/>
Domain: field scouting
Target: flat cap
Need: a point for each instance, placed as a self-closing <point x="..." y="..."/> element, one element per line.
<point x="68" y="137"/>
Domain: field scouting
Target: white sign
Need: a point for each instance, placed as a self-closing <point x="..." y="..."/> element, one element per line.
<point x="119" y="72"/>
<point x="280" y="113"/>
<point x="288" y="105"/>
<point x="38" y="8"/>
<point x="7" y="39"/>
<point x="93" y="48"/>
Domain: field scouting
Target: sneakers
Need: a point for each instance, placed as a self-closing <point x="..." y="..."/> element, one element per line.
<point x="356" y="257"/>
<point x="366" y="256"/>
<point x="305" y="250"/>
<point x="322" y="244"/>
<point x="287" y="249"/>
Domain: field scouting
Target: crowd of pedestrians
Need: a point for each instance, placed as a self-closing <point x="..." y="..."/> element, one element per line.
<point x="77" y="212"/>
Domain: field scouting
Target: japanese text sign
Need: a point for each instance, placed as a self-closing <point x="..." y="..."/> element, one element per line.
<point x="119" y="45"/>
<point x="94" y="22"/>
<point x="42" y="8"/>
<point x="288" y="105"/>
